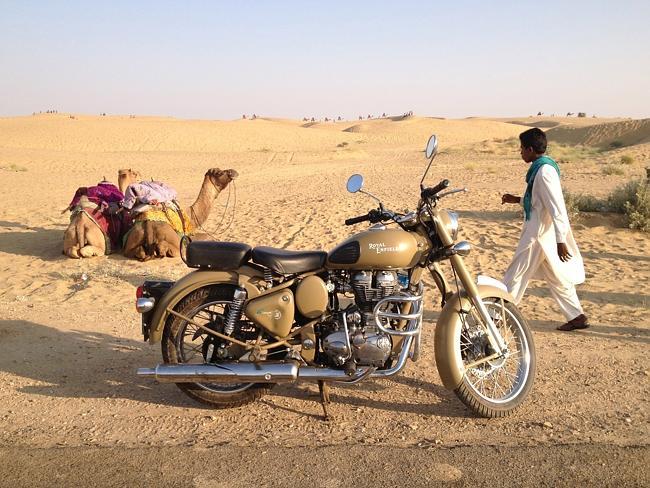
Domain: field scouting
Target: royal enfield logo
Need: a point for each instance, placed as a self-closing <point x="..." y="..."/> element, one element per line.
<point x="380" y="248"/>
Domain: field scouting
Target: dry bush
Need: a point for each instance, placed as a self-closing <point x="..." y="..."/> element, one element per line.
<point x="610" y="170"/>
<point x="638" y="209"/>
<point x="631" y="199"/>
<point x="627" y="159"/>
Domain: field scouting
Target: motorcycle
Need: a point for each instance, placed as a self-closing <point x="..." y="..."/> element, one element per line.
<point x="248" y="318"/>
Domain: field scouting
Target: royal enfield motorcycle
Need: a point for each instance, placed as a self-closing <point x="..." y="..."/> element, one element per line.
<point x="248" y="318"/>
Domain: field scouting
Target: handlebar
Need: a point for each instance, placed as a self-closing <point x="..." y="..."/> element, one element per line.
<point x="373" y="216"/>
<point x="432" y="192"/>
<point x="356" y="220"/>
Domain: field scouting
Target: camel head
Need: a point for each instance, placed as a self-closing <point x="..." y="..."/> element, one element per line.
<point x="221" y="178"/>
<point x="126" y="177"/>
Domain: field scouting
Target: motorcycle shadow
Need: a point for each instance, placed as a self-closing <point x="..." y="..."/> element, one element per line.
<point x="81" y="364"/>
<point x="399" y="394"/>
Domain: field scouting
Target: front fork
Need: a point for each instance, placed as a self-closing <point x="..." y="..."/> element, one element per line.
<point x="494" y="336"/>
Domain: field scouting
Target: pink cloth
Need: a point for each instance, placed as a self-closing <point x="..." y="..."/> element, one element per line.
<point x="103" y="194"/>
<point x="150" y="192"/>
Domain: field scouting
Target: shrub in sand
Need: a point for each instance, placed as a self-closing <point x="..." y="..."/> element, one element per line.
<point x="631" y="199"/>
<point x="610" y="169"/>
<point x="616" y="144"/>
<point x="627" y="159"/>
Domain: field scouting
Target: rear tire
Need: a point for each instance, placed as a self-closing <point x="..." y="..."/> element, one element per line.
<point x="498" y="387"/>
<point x="176" y="346"/>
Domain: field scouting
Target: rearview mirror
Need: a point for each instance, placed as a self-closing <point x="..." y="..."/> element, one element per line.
<point x="432" y="146"/>
<point x="355" y="183"/>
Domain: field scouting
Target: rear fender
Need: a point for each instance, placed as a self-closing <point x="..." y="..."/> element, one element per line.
<point x="448" y="361"/>
<point x="246" y="277"/>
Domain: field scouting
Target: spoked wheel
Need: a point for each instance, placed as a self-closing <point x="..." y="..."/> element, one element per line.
<point x="496" y="387"/>
<point x="184" y="342"/>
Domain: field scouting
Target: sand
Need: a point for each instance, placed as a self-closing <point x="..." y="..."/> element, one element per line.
<point x="70" y="338"/>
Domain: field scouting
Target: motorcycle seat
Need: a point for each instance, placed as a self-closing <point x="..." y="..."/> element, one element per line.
<point x="218" y="256"/>
<point x="288" y="262"/>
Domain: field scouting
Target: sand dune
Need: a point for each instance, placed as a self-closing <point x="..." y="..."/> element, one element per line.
<point x="623" y="133"/>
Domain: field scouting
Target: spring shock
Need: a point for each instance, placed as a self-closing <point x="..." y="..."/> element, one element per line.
<point x="234" y="314"/>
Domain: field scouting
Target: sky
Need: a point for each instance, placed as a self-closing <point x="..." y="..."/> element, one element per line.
<point x="294" y="59"/>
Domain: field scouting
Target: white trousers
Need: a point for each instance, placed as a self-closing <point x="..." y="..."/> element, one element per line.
<point x="564" y="293"/>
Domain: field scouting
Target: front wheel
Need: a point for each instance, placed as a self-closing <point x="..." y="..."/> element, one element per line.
<point x="495" y="388"/>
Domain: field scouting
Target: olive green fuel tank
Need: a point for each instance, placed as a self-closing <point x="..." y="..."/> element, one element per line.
<point x="378" y="249"/>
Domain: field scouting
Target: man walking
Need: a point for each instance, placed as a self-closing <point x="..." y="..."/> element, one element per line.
<point x="547" y="249"/>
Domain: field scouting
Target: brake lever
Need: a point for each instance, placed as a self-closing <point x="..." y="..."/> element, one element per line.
<point x="451" y="192"/>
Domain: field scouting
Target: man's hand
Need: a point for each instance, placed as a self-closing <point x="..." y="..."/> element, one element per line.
<point x="563" y="252"/>
<point x="508" y="198"/>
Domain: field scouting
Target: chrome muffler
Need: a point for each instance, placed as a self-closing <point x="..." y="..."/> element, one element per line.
<point x="266" y="372"/>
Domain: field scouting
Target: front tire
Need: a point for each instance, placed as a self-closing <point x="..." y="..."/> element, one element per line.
<point x="182" y="342"/>
<point x="497" y="387"/>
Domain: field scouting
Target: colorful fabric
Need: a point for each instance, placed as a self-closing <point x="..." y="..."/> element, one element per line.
<point x="170" y="214"/>
<point x="103" y="194"/>
<point x="149" y="192"/>
<point x="530" y="179"/>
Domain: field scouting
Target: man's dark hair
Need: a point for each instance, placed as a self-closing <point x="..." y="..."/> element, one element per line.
<point x="534" y="138"/>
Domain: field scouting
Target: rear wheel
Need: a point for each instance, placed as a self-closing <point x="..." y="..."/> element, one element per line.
<point x="495" y="388"/>
<point x="184" y="342"/>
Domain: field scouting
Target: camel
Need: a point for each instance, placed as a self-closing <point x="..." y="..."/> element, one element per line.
<point x="155" y="239"/>
<point x="84" y="238"/>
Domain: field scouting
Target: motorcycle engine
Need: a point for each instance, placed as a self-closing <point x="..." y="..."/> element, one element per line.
<point x="365" y="344"/>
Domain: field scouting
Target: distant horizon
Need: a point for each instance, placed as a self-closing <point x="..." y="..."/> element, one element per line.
<point x="321" y="119"/>
<point x="291" y="59"/>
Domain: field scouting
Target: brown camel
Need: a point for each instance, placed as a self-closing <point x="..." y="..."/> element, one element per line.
<point x="154" y="239"/>
<point x="84" y="238"/>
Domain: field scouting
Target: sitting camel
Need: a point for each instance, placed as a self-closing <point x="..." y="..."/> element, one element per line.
<point x="96" y="228"/>
<point x="157" y="238"/>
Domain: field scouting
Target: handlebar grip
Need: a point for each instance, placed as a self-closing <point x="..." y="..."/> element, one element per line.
<point x="356" y="220"/>
<point x="430" y="192"/>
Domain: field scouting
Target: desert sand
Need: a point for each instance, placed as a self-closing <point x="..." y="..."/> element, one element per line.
<point x="70" y="338"/>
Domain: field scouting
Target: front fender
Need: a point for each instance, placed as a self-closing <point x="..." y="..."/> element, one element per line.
<point x="245" y="276"/>
<point x="448" y="360"/>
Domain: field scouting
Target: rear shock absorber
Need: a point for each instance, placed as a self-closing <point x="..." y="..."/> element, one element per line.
<point x="234" y="314"/>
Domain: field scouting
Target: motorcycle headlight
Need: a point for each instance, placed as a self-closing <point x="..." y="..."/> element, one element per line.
<point x="450" y="221"/>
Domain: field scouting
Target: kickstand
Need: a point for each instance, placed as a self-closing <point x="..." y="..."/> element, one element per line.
<point x="324" y="390"/>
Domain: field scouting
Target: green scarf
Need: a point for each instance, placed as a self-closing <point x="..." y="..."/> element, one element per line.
<point x="530" y="178"/>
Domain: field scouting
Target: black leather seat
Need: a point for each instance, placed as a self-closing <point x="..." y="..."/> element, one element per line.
<point x="288" y="262"/>
<point x="219" y="256"/>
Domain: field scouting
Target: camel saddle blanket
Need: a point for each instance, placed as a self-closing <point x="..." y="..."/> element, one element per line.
<point x="103" y="194"/>
<point x="171" y="214"/>
<point x="148" y="192"/>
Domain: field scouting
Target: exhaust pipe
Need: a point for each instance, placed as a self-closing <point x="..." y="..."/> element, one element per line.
<point x="266" y="372"/>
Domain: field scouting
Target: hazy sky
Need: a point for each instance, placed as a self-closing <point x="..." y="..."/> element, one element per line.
<point x="219" y="60"/>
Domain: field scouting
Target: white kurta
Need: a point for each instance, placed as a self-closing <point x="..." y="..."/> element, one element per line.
<point x="536" y="255"/>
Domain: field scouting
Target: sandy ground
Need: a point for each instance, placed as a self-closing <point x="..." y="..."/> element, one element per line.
<point x="69" y="346"/>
